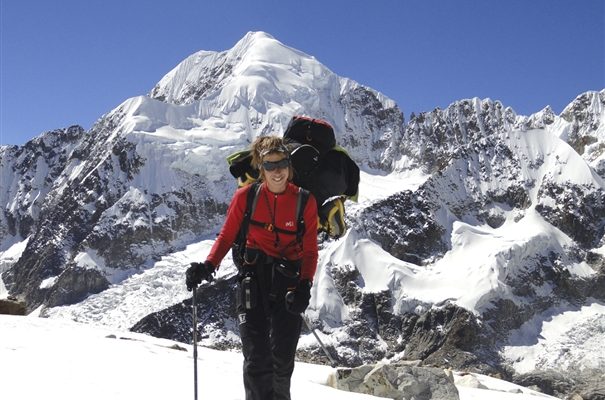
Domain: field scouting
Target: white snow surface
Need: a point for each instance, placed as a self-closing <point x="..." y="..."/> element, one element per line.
<point x="71" y="361"/>
<point x="568" y="338"/>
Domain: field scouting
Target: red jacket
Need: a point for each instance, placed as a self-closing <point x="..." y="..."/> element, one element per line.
<point x="283" y="207"/>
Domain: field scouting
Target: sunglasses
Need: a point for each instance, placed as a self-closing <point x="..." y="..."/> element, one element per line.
<point x="273" y="165"/>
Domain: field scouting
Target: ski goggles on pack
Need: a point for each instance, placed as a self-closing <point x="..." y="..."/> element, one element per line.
<point x="273" y="165"/>
<point x="276" y="149"/>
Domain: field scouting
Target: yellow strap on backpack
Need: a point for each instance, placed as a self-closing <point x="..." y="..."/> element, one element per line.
<point x="246" y="179"/>
<point x="334" y="224"/>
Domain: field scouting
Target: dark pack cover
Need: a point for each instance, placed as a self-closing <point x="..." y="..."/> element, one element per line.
<point x="305" y="160"/>
<point x="336" y="174"/>
<point x="315" y="132"/>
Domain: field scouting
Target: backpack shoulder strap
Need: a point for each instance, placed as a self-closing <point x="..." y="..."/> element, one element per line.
<point x="251" y="201"/>
<point x="301" y="204"/>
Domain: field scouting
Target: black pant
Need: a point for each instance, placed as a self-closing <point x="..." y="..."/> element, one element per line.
<point x="269" y="335"/>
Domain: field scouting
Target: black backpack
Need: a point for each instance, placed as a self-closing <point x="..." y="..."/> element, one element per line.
<point x="238" y="249"/>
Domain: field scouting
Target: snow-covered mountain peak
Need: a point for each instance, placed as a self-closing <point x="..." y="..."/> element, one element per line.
<point x="260" y="46"/>
<point x="254" y="89"/>
<point x="257" y="66"/>
<point x="591" y="102"/>
<point x="585" y="130"/>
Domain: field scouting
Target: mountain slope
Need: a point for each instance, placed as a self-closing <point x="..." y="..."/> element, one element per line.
<point x="150" y="175"/>
<point x="474" y="225"/>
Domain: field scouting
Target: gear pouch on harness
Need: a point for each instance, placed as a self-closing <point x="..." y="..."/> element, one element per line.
<point x="247" y="293"/>
<point x="284" y="277"/>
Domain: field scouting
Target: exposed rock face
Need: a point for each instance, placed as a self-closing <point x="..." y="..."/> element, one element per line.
<point x="552" y="383"/>
<point x="199" y="81"/>
<point x="28" y="174"/>
<point x="452" y="344"/>
<point x="595" y="392"/>
<point x="404" y="225"/>
<point x="12" y="306"/>
<point x="397" y="381"/>
<point x="583" y="385"/>
<point x="74" y="285"/>
<point x="373" y="128"/>
<point x="434" y="137"/>
<point x="578" y="212"/>
<point x="216" y="317"/>
<point x="587" y="135"/>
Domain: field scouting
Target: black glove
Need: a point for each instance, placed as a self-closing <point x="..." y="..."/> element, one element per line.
<point x="297" y="300"/>
<point x="198" y="272"/>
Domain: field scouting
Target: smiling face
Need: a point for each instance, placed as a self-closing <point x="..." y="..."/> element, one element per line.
<point x="275" y="169"/>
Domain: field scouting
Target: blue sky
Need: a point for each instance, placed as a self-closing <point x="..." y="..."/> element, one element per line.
<point x="71" y="61"/>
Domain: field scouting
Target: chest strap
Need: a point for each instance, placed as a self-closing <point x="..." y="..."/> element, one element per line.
<point x="301" y="203"/>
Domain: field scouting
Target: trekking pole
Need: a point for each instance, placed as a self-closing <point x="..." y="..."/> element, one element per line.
<point x="308" y="324"/>
<point x="194" y="343"/>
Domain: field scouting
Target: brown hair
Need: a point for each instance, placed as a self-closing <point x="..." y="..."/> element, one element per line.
<point x="265" y="145"/>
